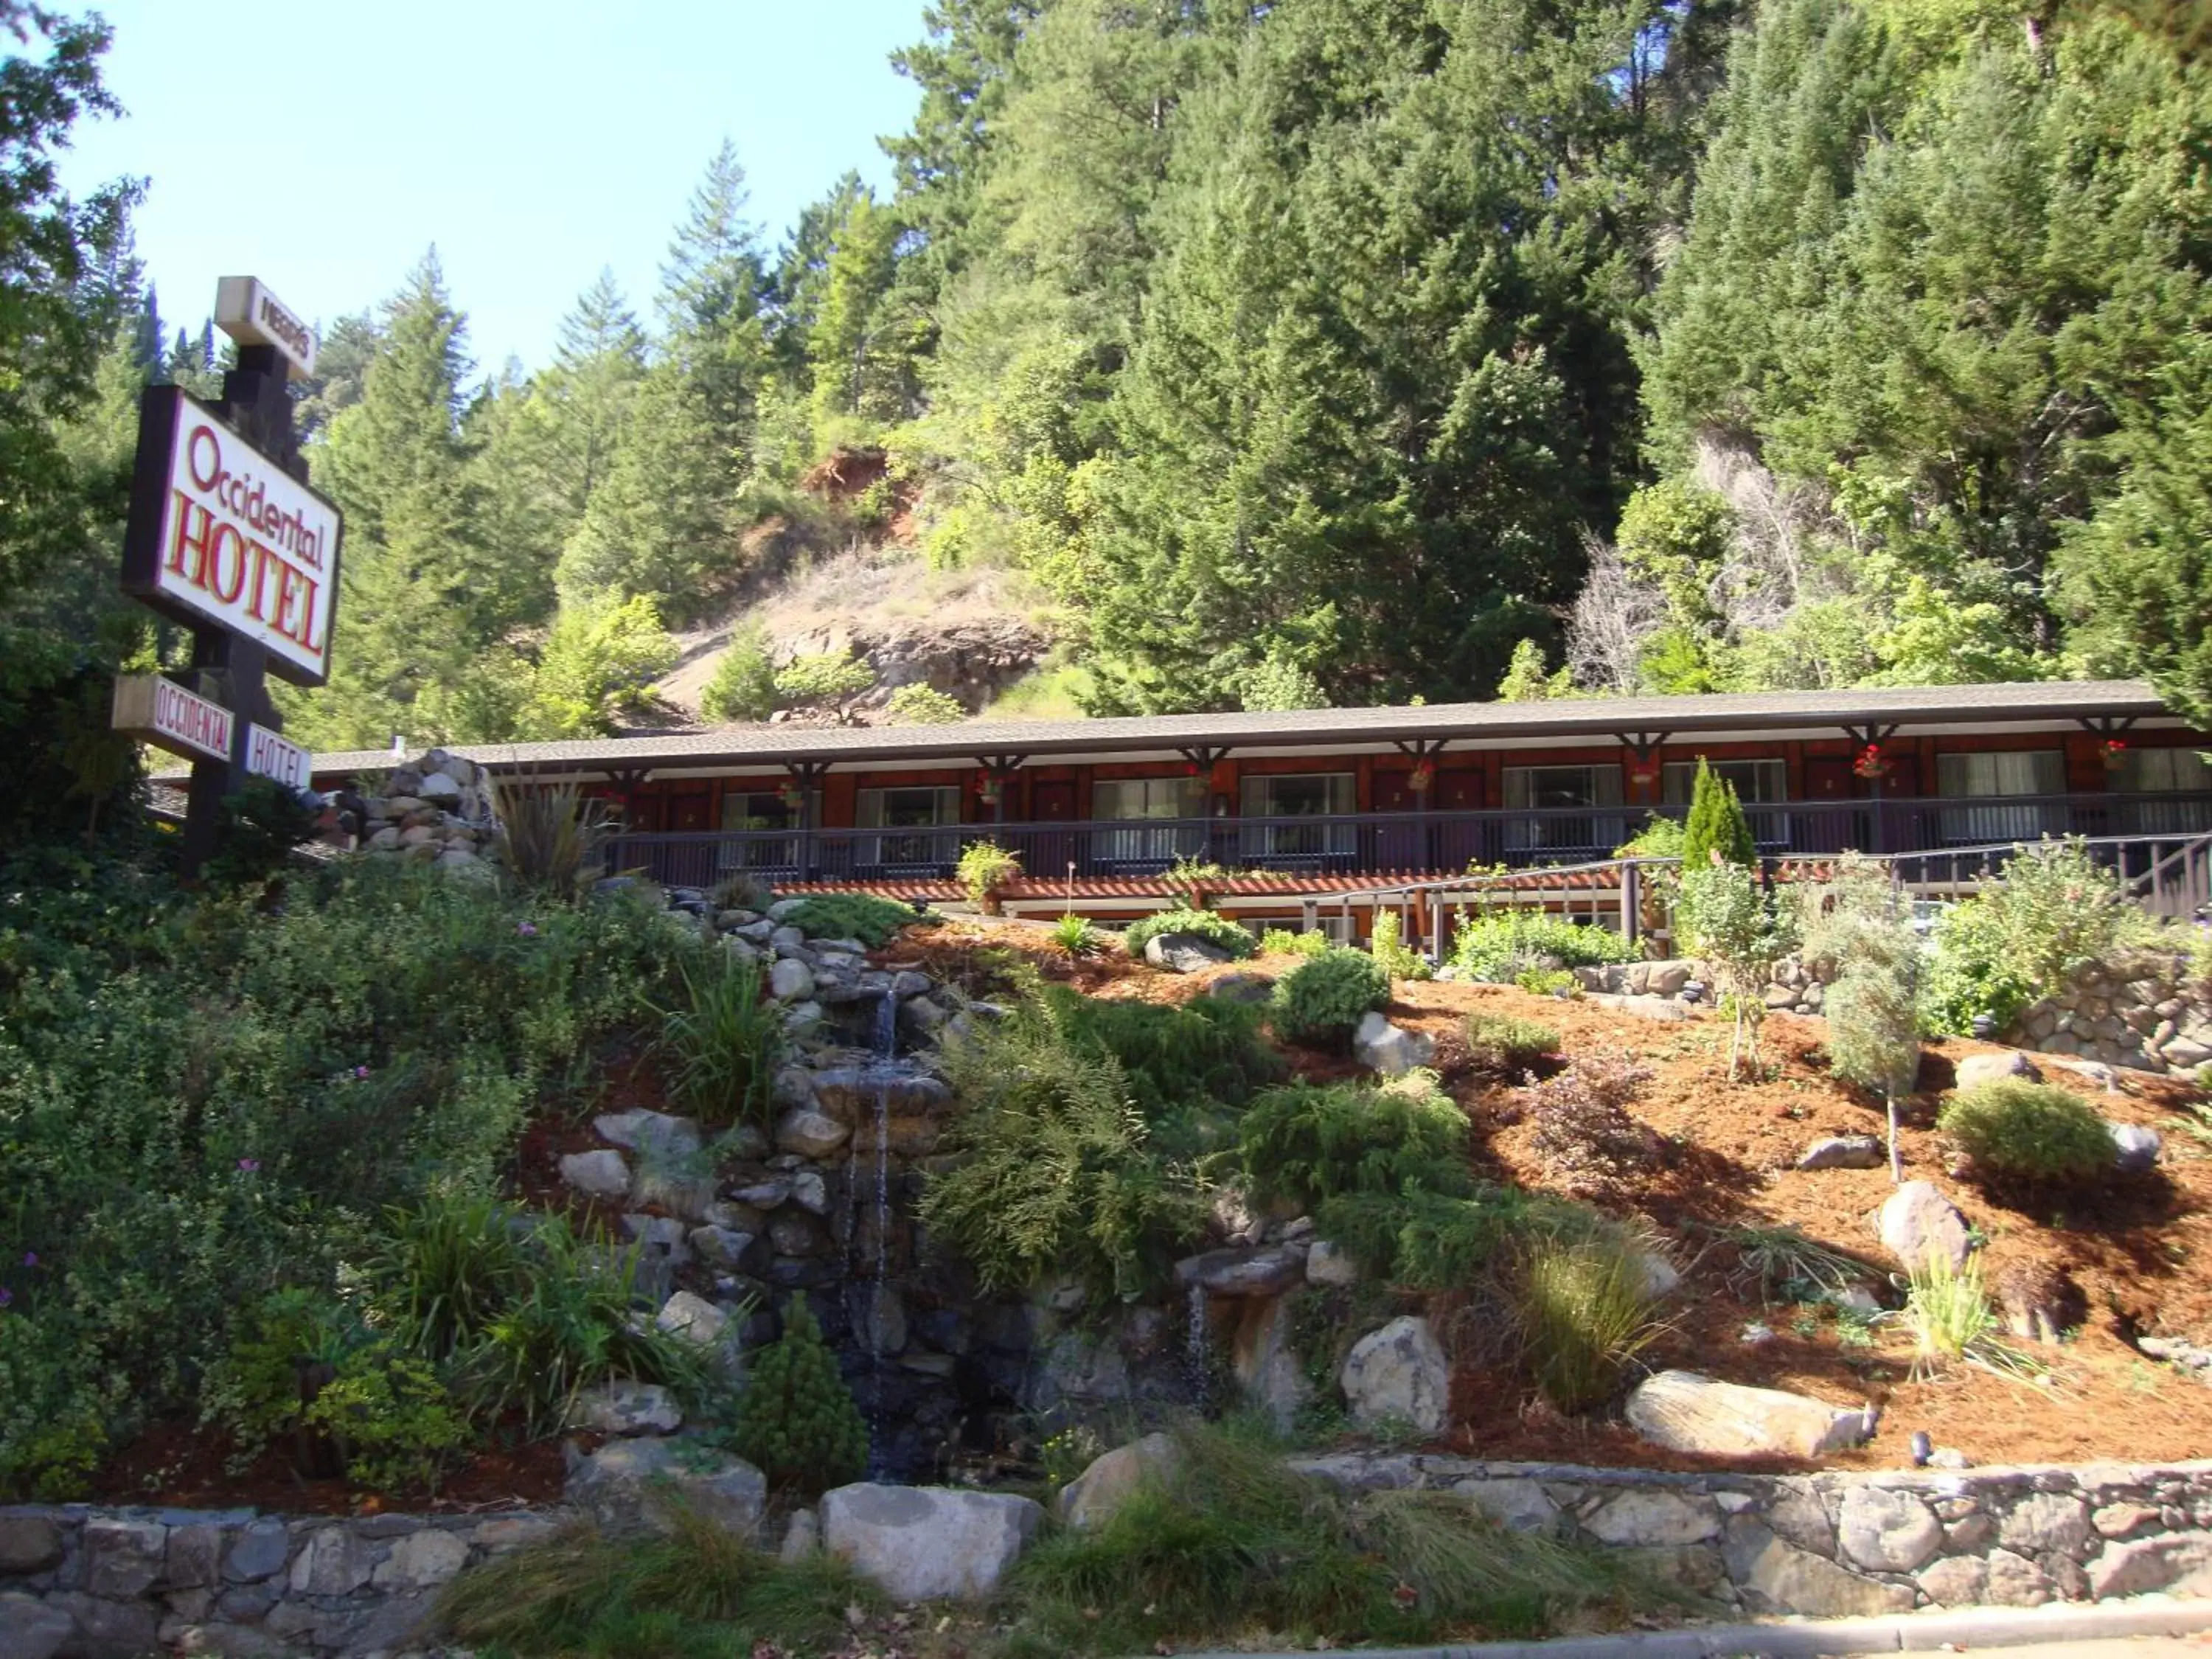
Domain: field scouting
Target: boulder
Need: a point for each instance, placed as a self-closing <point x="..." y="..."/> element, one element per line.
<point x="790" y="979"/>
<point x="920" y="1543"/>
<point x="625" y="1409"/>
<point x="1843" y="1153"/>
<point x="1242" y="1272"/>
<point x="2011" y="1063"/>
<point x="1328" y="1263"/>
<point x="1266" y="1365"/>
<point x="722" y="1247"/>
<point x="1885" y="1531"/>
<point x="809" y="1133"/>
<point x="1687" y="1412"/>
<point x="628" y="1486"/>
<point x="1184" y="953"/>
<point x="439" y="788"/>
<point x="603" y="1174"/>
<point x="1246" y="986"/>
<point x="692" y="1317"/>
<point x="653" y="1135"/>
<point x="122" y="1558"/>
<point x="1389" y="1049"/>
<point x="1398" y="1374"/>
<point x="2177" y="1563"/>
<point x="2134" y="1148"/>
<point x="31" y="1629"/>
<point x="421" y="1560"/>
<point x="29" y="1544"/>
<point x="1094" y="1496"/>
<point x="1919" y="1223"/>
<point x="802" y="1537"/>
<point x="1515" y="1503"/>
<point x="1647" y="1517"/>
<point x="1777" y="1578"/>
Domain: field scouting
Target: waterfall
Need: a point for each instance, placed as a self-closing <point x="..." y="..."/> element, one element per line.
<point x="1198" y="1350"/>
<point x="885" y="1055"/>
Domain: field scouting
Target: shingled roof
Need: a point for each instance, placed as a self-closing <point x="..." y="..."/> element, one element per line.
<point x="733" y="747"/>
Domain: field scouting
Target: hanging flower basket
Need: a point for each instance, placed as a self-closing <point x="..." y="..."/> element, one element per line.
<point x="990" y="790"/>
<point x="1422" y="778"/>
<point x="2114" y="749"/>
<point x="791" y="796"/>
<point x="1870" y="763"/>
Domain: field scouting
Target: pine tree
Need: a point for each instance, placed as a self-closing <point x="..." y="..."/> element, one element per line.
<point x="588" y="393"/>
<point x="1716" y="823"/>
<point x="796" y="1421"/>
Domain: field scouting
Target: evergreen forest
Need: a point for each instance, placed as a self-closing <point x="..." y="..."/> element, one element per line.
<point x="1292" y="353"/>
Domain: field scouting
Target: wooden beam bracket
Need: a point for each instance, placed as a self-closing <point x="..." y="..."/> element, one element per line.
<point x="1643" y="744"/>
<point x="1002" y="766"/>
<point x="1420" y="749"/>
<point x="2107" y="727"/>
<point x="1871" y="735"/>
<point x="1205" y="755"/>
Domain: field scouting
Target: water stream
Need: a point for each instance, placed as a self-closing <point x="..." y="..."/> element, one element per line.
<point x="884" y="1049"/>
<point x="1198" y="1350"/>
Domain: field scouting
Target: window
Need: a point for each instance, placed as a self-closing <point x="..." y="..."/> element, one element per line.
<point x="929" y="815"/>
<point x="1754" y="779"/>
<point x="2163" y="772"/>
<point x="1994" y="775"/>
<point x="1760" y="785"/>
<point x="1567" y="830"/>
<point x="1182" y="800"/>
<point x="772" y="839"/>
<point x="1292" y="795"/>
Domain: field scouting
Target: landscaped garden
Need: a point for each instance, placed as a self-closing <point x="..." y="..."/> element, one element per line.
<point x="371" y="1186"/>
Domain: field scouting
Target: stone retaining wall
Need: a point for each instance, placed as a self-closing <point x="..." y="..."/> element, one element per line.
<point x="77" y="1583"/>
<point x="1836" y="1544"/>
<point x="2144" y="1011"/>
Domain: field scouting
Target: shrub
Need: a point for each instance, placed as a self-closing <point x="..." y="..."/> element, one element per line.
<point x="921" y="704"/>
<point x="740" y="890"/>
<point x="1588" y="1143"/>
<point x="1054" y="1170"/>
<point x="725" y="1044"/>
<point x="830" y="678"/>
<point x="2029" y="1131"/>
<point x="1282" y="942"/>
<point x="1946" y="1310"/>
<point x="742" y="686"/>
<point x="1388" y="947"/>
<point x="1321" y="1001"/>
<point x="1585" y="1313"/>
<point x="1502" y="1044"/>
<point x="550" y="837"/>
<point x="173" y="1158"/>
<point x="1716" y="824"/>
<point x="1735" y="927"/>
<point x="874" y="921"/>
<point x="1188" y="878"/>
<point x="1208" y="924"/>
<point x="1497" y="947"/>
<point x="395" y="1422"/>
<point x="260" y="826"/>
<point x="1972" y="971"/>
<point x="1305" y="1143"/>
<point x="1200" y="1055"/>
<point x="797" y="1422"/>
<point x="986" y="867"/>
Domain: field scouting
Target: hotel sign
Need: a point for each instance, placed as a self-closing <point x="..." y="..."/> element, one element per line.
<point x="270" y="755"/>
<point x="221" y="535"/>
<point x="163" y="712"/>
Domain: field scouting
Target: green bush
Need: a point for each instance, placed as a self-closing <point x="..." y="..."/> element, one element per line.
<point x="796" y="1422"/>
<point x="985" y="866"/>
<point x="1502" y="1044"/>
<point x="724" y="1042"/>
<point x="1208" y="924"/>
<point x="1972" y="971"/>
<point x="1197" y="1057"/>
<point x="1585" y="1313"/>
<point x="1306" y="1144"/>
<point x="1716" y="823"/>
<point x="1498" y="947"/>
<point x="260" y="826"/>
<point x="874" y="921"/>
<point x="2029" y="1131"/>
<point x="1320" y="1002"/>
<point x="1282" y="942"/>
<point x="742" y="685"/>
<point x="1054" y="1169"/>
<point x="922" y="704"/>
<point x="1388" y="947"/>
<point x="203" y="1102"/>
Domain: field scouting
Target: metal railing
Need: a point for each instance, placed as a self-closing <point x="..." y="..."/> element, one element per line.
<point x="1376" y="843"/>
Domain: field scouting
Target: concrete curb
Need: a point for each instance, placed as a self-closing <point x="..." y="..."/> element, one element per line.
<point x="1966" y="1628"/>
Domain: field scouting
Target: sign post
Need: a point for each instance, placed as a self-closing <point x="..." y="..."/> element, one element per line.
<point x="226" y="537"/>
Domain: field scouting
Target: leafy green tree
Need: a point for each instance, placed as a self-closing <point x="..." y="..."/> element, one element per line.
<point x="1734" y="926"/>
<point x="599" y="660"/>
<point x="921" y="704"/>
<point x="742" y="686"/>
<point x="832" y="679"/>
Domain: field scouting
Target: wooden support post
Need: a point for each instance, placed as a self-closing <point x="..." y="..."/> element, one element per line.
<point x="1631" y="900"/>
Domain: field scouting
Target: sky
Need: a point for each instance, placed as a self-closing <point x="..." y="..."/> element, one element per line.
<point x="324" y="145"/>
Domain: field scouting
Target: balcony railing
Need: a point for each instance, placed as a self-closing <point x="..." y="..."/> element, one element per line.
<point x="1373" y="843"/>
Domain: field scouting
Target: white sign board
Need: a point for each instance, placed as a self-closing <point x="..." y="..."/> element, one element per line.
<point x="271" y="755"/>
<point x="220" y="534"/>
<point x="251" y="315"/>
<point x="163" y="712"/>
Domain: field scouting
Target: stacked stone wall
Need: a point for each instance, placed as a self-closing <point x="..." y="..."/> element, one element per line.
<point x="2145" y="1011"/>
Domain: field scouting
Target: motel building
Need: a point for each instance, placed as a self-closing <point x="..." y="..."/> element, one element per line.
<point x="1318" y="817"/>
